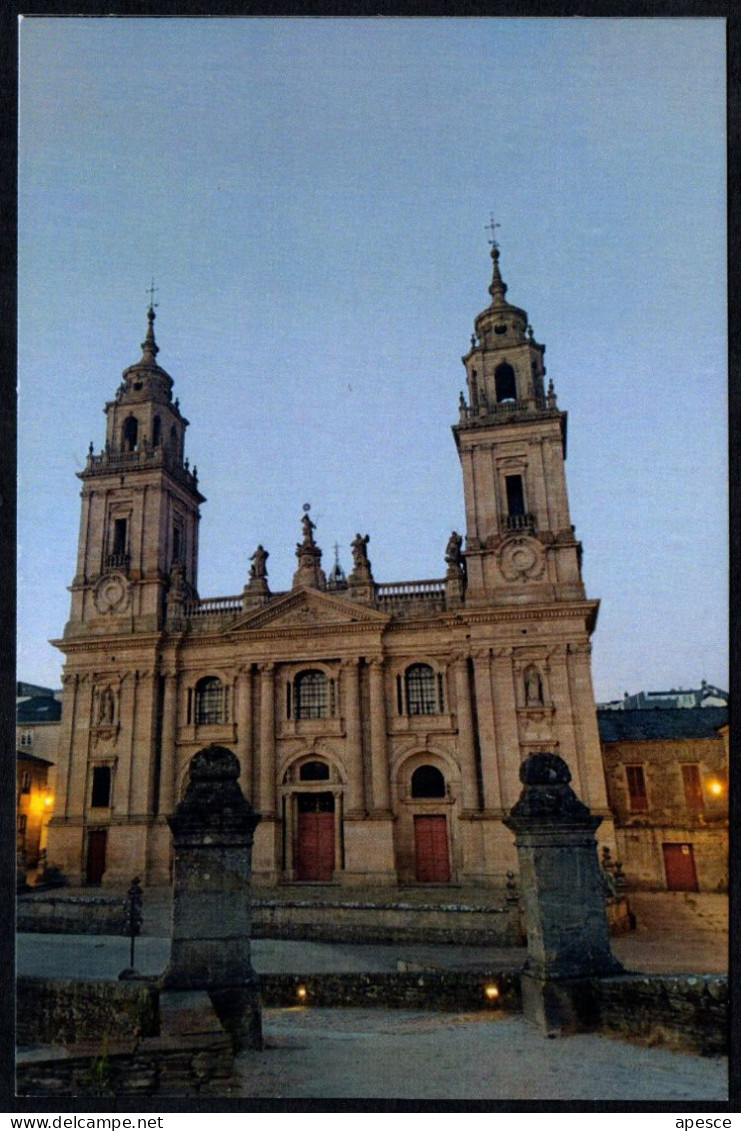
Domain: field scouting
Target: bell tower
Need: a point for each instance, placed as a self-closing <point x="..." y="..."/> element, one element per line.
<point x="140" y="507"/>
<point x="511" y="439"/>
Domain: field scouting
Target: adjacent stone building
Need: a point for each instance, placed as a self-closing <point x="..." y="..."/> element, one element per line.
<point x="667" y="785"/>
<point x="380" y="726"/>
<point x="37" y="738"/>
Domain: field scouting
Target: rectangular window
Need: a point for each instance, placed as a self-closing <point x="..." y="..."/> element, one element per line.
<point x="515" y="495"/>
<point x="26" y="738"/>
<point x="178" y="545"/>
<point x="26" y="781"/>
<point x="636" y="787"/>
<point x="119" y="537"/>
<point x="692" y="787"/>
<point x="101" y="798"/>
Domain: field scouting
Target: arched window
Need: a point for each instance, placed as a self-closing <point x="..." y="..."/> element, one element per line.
<point x="314" y="771"/>
<point x="427" y="781"/>
<point x="174" y="441"/>
<point x="312" y="695"/>
<point x="156" y="432"/>
<point x="210" y="701"/>
<point x="130" y="434"/>
<point x="423" y="691"/>
<point x="504" y="383"/>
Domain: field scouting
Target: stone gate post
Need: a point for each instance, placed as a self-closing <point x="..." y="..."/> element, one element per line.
<point x="568" y="938"/>
<point x="212" y="830"/>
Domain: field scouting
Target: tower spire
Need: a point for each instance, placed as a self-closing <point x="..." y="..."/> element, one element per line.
<point x="498" y="288"/>
<point x="150" y="349"/>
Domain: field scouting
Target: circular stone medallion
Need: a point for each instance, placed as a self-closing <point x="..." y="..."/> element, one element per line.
<point x="112" y="594"/>
<point x="521" y="559"/>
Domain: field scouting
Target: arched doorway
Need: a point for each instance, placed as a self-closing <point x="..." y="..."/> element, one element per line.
<point x="315" y="848"/>
<point x="431" y="849"/>
<point x="312" y="812"/>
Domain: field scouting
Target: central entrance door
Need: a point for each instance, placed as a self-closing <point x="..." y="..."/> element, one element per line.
<point x="315" y="847"/>
<point x="432" y="860"/>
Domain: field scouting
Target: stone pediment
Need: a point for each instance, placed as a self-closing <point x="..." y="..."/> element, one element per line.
<point x="311" y="609"/>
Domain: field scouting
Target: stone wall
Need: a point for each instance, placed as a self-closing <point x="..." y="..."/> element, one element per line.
<point x="71" y="914"/>
<point x="441" y="990"/>
<point x="61" y="1011"/>
<point x="683" y="1011"/>
<point x="393" y="923"/>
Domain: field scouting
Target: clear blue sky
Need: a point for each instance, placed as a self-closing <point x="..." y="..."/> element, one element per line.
<point x="311" y="197"/>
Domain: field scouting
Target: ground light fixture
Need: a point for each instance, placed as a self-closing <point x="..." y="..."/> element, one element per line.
<point x="491" y="991"/>
<point x="302" y="994"/>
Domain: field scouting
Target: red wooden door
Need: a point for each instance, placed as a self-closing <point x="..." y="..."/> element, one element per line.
<point x="431" y="850"/>
<point x="96" y="846"/>
<point x="679" y="863"/>
<point x="315" y="847"/>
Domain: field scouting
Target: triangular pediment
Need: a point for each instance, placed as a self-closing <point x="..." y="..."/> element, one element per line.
<point x="311" y="609"/>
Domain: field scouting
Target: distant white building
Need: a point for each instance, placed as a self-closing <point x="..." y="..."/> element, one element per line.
<point x="705" y="696"/>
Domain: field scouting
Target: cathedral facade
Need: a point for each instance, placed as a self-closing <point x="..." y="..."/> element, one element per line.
<point x="379" y="726"/>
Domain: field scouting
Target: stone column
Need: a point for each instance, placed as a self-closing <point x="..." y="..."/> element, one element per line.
<point x="244" y="728"/>
<point x="379" y="748"/>
<point x="212" y="830"/>
<point x="267" y="740"/>
<point x="487" y="735"/>
<point x="466" y="737"/>
<point x="351" y="706"/>
<point x="568" y="939"/>
<point x="167" y="791"/>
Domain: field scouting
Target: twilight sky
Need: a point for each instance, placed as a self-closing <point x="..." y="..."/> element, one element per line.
<point x="310" y="196"/>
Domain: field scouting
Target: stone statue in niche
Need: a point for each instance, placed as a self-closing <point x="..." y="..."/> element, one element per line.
<point x="258" y="570"/>
<point x="106" y="707"/>
<point x="533" y="688"/>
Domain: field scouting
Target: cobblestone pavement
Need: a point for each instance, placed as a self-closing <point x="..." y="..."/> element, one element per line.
<point x="400" y="1054"/>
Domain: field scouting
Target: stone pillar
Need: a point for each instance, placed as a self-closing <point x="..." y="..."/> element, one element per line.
<point x="487" y="734"/>
<point x="568" y="939"/>
<point x="379" y="748"/>
<point x="351" y="707"/>
<point x="267" y="741"/>
<point x="167" y="792"/>
<point x="244" y="728"/>
<point x="212" y="830"/>
<point x="466" y="737"/>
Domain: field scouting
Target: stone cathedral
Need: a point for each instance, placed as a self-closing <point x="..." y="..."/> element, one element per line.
<point x="379" y="726"/>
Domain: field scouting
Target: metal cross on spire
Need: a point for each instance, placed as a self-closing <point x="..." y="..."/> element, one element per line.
<point x="492" y="226"/>
<point x="151" y="291"/>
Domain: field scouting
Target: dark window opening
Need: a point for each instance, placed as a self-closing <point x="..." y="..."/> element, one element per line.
<point x="156" y="432"/>
<point x="500" y="329"/>
<point x="421" y="690"/>
<point x="130" y="434"/>
<point x="209" y="701"/>
<point x="504" y="383"/>
<point x="101" y="798"/>
<point x="26" y="781"/>
<point x="177" y="545"/>
<point x="693" y="798"/>
<point x="312" y="690"/>
<point x="636" y="787"/>
<point x="314" y="771"/>
<point x="119" y="537"/>
<point x="427" y="781"/>
<point x="515" y="495"/>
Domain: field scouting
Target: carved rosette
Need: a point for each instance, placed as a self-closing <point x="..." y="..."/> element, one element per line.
<point x="112" y="594"/>
<point x="521" y="559"/>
